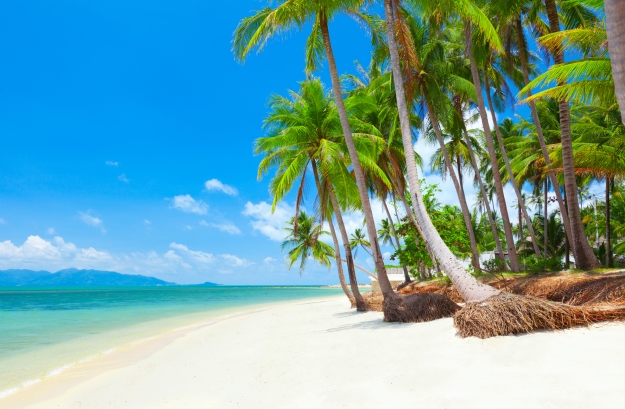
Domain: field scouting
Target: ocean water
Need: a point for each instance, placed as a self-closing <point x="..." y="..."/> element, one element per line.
<point x="45" y="330"/>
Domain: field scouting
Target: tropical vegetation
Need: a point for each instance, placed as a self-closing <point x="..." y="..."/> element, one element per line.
<point x="453" y="73"/>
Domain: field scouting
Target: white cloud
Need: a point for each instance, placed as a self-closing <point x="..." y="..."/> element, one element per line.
<point x="269" y="260"/>
<point x="225" y="227"/>
<point x="36" y="252"/>
<point x="111" y="163"/>
<point x="123" y="178"/>
<point x="215" y="184"/>
<point x="197" y="256"/>
<point x="187" y="204"/>
<point x="147" y="222"/>
<point x="2" y="220"/>
<point x="93" y="221"/>
<point x="235" y="261"/>
<point x="179" y="263"/>
<point x="51" y="230"/>
<point x="270" y="224"/>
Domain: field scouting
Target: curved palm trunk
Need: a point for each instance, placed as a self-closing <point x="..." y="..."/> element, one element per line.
<point x="385" y="284"/>
<point x="541" y="137"/>
<point x="584" y="256"/>
<point x="503" y="208"/>
<point x="397" y="244"/>
<point x="412" y="217"/>
<point x="475" y="255"/>
<point x="545" y="222"/>
<point x="608" y="227"/>
<point x="335" y="241"/>
<point x="468" y="287"/>
<point x="615" y="16"/>
<point x="339" y="263"/>
<point x="491" y="221"/>
<point x="504" y="155"/>
<point x="360" y="302"/>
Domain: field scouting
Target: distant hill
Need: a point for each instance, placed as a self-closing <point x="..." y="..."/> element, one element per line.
<point x="74" y="277"/>
<point x="207" y="284"/>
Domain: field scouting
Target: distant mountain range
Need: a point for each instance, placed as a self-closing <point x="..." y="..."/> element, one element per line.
<point x="74" y="277"/>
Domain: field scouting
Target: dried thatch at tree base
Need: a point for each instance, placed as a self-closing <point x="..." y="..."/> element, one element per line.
<point x="411" y="308"/>
<point x="418" y="308"/>
<point x="571" y="289"/>
<point x="506" y="314"/>
<point x="437" y="287"/>
<point x="373" y="301"/>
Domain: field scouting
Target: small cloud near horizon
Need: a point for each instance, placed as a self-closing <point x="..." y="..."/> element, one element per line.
<point x="92" y="221"/>
<point x="187" y="204"/>
<point x="215" y="184"/>
<point x="111" y="163"/>
<point x="123" y="178"/>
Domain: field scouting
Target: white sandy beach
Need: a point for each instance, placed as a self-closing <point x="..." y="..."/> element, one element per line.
<point x="321" y="354"/>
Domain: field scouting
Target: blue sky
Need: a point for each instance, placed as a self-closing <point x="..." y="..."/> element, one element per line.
<point x="127" y="132"/>
<point x="115" y="114"/>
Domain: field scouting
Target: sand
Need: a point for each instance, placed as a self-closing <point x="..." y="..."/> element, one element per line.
<point x="321" y="354"/>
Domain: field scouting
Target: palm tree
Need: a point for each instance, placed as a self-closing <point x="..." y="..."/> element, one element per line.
<point x="584" y="255"/>
<point x="514" y="262"/>
<point x="358" y="239"/>
<point x="470" y="289"/>
<point x="254" y="31"/>
<point x="615" y="15"/>
<point x="304" y="242"/>
<point x="304" y="131"/>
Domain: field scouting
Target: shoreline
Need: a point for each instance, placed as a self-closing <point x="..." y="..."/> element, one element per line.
<point x="161" y="329"/>
<point x="290" y="355"/>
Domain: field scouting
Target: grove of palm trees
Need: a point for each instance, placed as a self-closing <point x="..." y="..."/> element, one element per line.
<point x="522" y="103"/>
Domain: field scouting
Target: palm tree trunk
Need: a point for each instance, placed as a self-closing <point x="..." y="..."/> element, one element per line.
<point x="541" y="137"/>
<point x="504" y="155"/>
<point x="585" y="258"/>
<point x="339" y="263"/>
<point x="475" y="255"/>
<point x="398" y="245"/>
<point x="385" y="284"/>
<point x="503" y="208"/>
<point x="608" y="227"/>
<point x="360" y="302"/>
<point x="478" y="176"/>
<point x="469" y="288"/>
<point x="545" y="222"/>
<point x="335" y="241"/>
<point x="615" y="16"/>
<point x="413" y="218"/>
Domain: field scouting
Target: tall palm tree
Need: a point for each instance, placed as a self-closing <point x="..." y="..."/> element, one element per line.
<point x="254" y="31"/>
<point x="470" y="289"/>
<point x="584" y="256"/>
<point x="503" y="208"/>
<point x="303" y="242"/>
<point x="304" y="131"/>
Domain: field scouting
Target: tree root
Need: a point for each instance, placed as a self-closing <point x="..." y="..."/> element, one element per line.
<point x="506" y="314"/>
<point x="418" y="308"/>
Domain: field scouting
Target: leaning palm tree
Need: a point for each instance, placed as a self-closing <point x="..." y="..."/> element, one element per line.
<point x="470" y="289"/>
<point x="255" y="31"/>
<point x="488" y="311"/>
<point x="303" y="242"/>
<point x="357" y="240"/>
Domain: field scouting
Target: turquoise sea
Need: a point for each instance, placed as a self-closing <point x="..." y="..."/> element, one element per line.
<point x="44" y="330"/>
